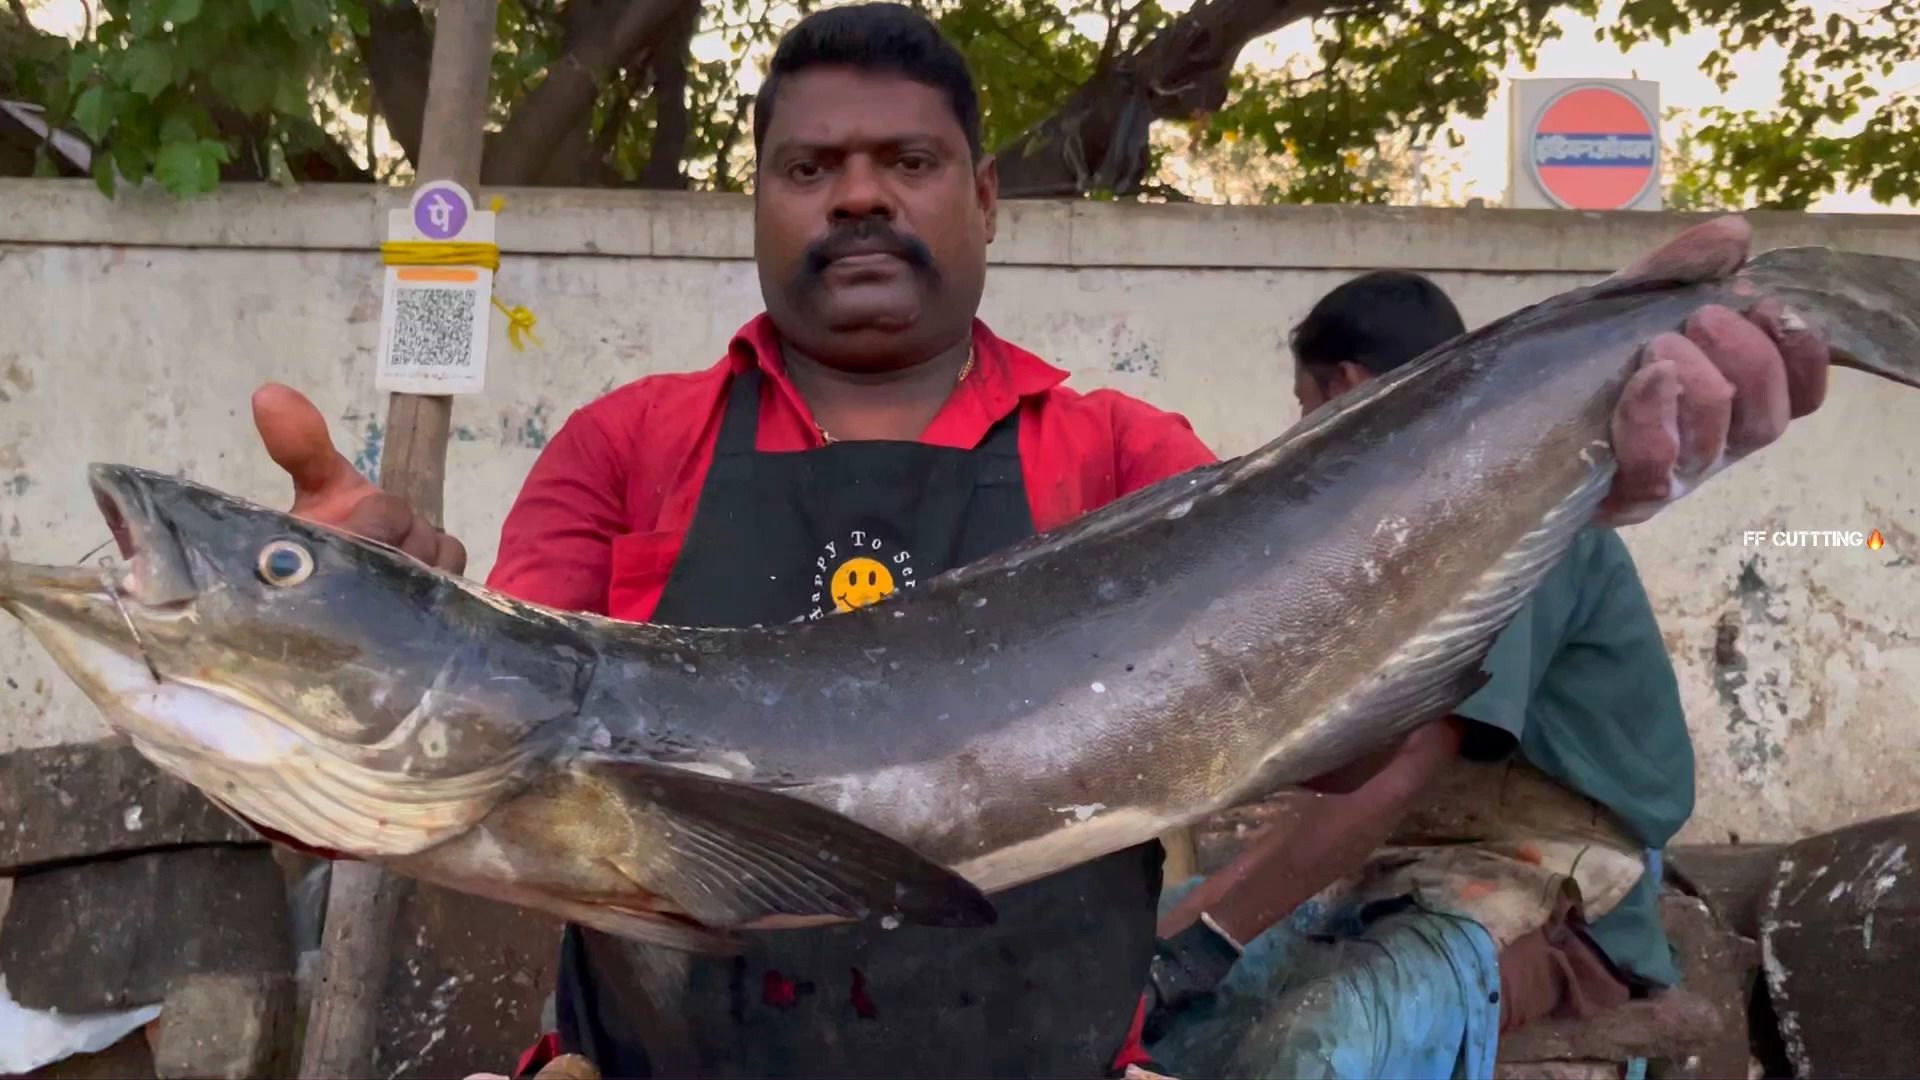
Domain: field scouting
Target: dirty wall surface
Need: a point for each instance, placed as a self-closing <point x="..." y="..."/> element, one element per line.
<point x="136" y="332"/>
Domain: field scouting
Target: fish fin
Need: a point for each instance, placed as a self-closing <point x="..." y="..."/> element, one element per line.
<point x="1440" y="667"/>
<point x="275" y="836"/>
<point x="1866" y="307"/>
<point x="1709" y="251"/>
<point x="647" y="927"/>
<point x="743" y="853"/>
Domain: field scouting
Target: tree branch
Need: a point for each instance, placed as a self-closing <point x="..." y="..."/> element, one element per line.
<point x="579" y="158"/>
<point x="621" y="32"/>
<point x="670" y="123"/>
<point x="1098" y="137"/>
<point x="398" y="49"/>
<point x="601" y="153"/>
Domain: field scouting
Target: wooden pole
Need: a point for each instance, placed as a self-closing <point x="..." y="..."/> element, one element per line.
<point x="363" y="900"/>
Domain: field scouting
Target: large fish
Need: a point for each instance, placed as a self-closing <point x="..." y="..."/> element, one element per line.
<point x="1198" y="644"/>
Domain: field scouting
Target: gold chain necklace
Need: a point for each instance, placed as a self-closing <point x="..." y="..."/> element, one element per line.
<point x="964" y="369"/>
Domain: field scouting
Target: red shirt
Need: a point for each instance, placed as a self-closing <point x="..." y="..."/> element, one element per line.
<point x="598" y="523"/>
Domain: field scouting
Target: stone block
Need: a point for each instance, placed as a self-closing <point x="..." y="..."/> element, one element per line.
<point x="115" y="933"/>
<point x="1731" y="878"/>
<point x="226" y="1027"/>
<point x="466" y="980"/>
<point x="83" y="800"/>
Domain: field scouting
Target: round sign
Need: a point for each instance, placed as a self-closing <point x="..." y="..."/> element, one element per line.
<point x="1594" y="147"/>
<point x="440" y="210"/>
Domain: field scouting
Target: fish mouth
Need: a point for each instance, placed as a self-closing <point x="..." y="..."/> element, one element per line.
<point x="158" y="573"/>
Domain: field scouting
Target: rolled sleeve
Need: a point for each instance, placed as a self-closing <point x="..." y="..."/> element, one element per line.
<point x="1498" y="710"/>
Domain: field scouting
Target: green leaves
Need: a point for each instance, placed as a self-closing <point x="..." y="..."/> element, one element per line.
<point x="147" y="68"/>
<point x="1830" y="129"/>
<point x="182" y="12"/>
<point x="190" y="167"/>
<point x="285" y="78"/>
<point x="146" y="86"/>
<point x="90" y="113"/>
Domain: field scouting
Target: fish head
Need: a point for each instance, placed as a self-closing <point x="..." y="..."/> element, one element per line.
<point x="244" y="648"/>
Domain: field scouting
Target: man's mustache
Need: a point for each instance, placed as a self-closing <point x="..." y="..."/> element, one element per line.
<point x="866" y="238"/>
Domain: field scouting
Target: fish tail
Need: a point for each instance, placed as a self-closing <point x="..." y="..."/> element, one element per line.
<point x="1867" y="307"/>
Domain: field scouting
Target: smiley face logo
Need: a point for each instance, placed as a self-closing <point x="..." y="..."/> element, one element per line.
<point x="860" y="581"/>
<point x="858" y="568"/>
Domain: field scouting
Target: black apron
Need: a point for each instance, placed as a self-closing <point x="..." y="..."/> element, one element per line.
<point x="1049" y="990"/>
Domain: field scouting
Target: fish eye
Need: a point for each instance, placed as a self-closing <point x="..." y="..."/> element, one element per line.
<point x="284" y="564"/>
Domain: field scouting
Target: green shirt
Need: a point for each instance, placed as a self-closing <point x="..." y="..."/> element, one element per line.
<point x="1581" y="680"/>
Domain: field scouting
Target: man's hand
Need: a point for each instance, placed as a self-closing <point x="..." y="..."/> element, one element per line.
<point x="327" y="490"/>
<point x="564" y="1067"/>
<point x="1721" y="389"/>
<point x="1189" y="964"/>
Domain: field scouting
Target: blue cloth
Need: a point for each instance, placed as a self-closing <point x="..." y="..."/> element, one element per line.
<point x="1410" y="993"/>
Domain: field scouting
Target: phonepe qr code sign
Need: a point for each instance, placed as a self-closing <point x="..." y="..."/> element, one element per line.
<point x="437" y="339"/>
<point x="434" y="320"/>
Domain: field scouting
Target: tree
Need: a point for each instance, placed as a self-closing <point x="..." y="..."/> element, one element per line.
<point x="653" y="92"/>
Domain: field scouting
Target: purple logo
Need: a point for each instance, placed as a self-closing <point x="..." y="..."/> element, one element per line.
<point x="439" y="213"/>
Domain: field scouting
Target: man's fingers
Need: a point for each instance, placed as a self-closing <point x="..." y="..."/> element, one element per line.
<point x="422" y="540"/>
<point x="328" y="489"/>
<point x="568" y="1067"/>
<point x="1669" y="428"/>
<point x="382" y="517"/>
<point x="1747" y="360"/>
<point x="1646" y="432"/>
<point x="1706" y="252"/>
<point x="296" y="438"/>
<point x="1803" y="348"/>
<point x="1646" y="442"/>
<point x="388" y="519"/>
<point x="1704" y="409"/>
<point x="452" y="556"/>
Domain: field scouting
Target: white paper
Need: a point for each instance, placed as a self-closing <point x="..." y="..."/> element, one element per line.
<point x="34" y="1038"/>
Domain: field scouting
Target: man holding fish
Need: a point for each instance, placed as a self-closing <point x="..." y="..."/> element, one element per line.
<point x="869" y="431"/>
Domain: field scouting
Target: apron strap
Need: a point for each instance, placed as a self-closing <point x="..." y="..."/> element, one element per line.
<point x="999" y="453"/>
<point x="742" y="418"/>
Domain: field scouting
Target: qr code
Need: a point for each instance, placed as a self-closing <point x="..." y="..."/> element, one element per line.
<point x="433" y="327"/>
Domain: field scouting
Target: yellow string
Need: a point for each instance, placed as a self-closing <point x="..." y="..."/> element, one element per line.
<point x="463" y="253"/>
<point x="440" y="253"/>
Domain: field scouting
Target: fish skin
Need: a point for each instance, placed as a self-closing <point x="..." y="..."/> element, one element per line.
<point x="1242" y="626"/>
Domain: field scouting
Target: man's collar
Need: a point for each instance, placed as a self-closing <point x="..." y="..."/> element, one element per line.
<point x="1003" y="375"/>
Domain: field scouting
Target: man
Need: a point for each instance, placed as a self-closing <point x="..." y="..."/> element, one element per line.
<point x="1580" y="688"/>
<point x="869" y="398"/>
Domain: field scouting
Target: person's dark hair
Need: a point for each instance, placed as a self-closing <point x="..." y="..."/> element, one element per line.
<point x="1378" y="320"/>
<point x="877" y="37"/>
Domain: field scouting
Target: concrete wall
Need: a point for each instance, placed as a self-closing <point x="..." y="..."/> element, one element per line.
<point x="135" y="332"/>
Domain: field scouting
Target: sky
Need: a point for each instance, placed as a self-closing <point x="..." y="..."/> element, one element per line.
<point x="1482" y="160"/>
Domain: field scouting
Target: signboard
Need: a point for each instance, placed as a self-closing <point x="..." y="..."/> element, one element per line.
<point x="434" y="319"/>
<point x="1585" y="144"/>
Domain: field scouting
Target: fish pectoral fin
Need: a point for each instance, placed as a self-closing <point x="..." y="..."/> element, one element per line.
<point x="649" y="928"/>
<point x="735" y="854"/>
<point x="275" y="836"/>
